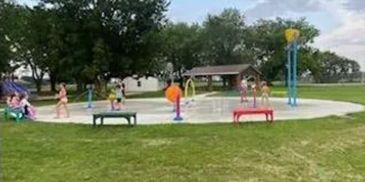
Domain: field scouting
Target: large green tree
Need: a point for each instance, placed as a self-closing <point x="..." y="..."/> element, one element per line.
<point x="182" y="46"/>
<point x="101" y="39"/>
<point x="335" y="68"/>
<point x="8" y="19"/>
<point x="31" y="42"/>
<point x="267" y="39"/>
<point x="224" y="38"/>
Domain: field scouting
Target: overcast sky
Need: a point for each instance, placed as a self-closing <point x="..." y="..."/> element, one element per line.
<point x="341" y="22"/>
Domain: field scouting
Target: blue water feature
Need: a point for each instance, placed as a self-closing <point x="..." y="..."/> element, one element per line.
<point x="8" y="87"/>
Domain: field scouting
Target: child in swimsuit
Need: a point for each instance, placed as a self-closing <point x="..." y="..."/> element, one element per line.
<point x="243" y="91"/>
<point x="112" y="96"/>
<point x="13" y="100"/>
<point x="62" y="100"/>
<point x="124" y="93"/>
<point x="265" y="90"/>
<point x="28" y="109"/>
<point x="119" y="96"/>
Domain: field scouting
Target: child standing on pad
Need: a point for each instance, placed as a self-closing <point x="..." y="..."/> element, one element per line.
<point x="119" y="96"/>
<point x="265" y="93"/>
<point x="111" y="98"/>
<point x="62" y="101"/>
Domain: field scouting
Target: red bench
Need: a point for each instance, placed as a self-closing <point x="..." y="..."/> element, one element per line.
<point x="237" y="113"/>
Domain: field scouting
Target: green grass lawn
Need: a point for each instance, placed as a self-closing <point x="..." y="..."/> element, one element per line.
<point x="326" y="149"/>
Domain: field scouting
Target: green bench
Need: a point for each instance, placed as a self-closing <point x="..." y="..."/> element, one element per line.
<point x="14" y="113"/>
<point x="126" y="115"/>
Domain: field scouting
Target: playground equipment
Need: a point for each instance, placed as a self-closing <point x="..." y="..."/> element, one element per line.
<point x="189" y="84"/>
<point x="243" y="91"/>
<point x="173" y="94"/>
<point x="17" y="114"/>
<point x="292" y="36"/>
<point x="90" y="95"/>
<point x="8" y="87"/>
<point x="254" y="94"/>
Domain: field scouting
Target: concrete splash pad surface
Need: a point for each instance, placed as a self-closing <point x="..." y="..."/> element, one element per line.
<point x="202" y="110"/>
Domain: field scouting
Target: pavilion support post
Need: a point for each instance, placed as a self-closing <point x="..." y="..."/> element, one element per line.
<point x="210" y="83"/>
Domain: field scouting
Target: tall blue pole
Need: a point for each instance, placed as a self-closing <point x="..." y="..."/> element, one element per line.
<point x="89" y="97"/>
<point x="295" y="66"/>
<point x="289" y="74"/>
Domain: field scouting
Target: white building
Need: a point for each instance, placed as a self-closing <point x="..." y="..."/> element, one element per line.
<point x="143" y="84"/>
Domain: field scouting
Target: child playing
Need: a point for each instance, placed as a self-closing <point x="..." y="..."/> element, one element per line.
<point x="243" y="91"/>
<point x="111" y="98"/>
<point x="119" y="96"/>
<point x="27" y="108"/>
<point x="124" y="93"/>
<point x="265" y="90"/>
<point x="62" y="100"/>
<point x="13" y="100"/>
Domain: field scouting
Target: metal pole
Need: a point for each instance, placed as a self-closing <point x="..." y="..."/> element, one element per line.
<point x="254" y="97"/>
<point x="90" y="97"/>
<point x="289" y="74"/>
<point x="295" y="62"/>
<point x="178" y="117"/>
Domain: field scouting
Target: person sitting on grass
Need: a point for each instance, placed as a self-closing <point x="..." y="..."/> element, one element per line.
<point x="13" y="101"/>
<point x="27" y="108"/>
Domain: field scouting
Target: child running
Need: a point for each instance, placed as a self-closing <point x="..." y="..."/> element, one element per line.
<point x="62" y="100"/>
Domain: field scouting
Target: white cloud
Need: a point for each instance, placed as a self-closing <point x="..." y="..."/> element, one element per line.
<point x="272" y="8"/>
<point x="356" y="5"/>
<point x="348" y="39"/>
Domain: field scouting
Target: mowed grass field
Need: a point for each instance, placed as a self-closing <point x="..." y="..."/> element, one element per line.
<point x="325" y="149"/>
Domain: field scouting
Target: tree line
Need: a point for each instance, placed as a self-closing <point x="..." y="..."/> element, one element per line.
<point x="90" y="41"/>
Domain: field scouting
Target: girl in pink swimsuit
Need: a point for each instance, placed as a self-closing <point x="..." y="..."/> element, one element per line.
<point x="62" y="101"/>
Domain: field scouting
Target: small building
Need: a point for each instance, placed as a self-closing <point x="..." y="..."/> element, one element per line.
<point x="143" y="84"/>
<point x="232" y="73"/>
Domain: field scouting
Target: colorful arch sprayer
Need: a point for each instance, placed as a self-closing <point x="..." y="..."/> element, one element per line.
<point x="292" y="36"/>
<point x="189" y="84"/>
<point x="173" y="94"/>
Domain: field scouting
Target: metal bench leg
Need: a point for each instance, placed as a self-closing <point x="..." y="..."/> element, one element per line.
<point x="267" y="117"/>
<point x="129" y="120"/>
<point x="135" y="120"/>
<point x="101" y="121"/>
<point x="238" y="118"/>
<point x="94" y="121"/>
